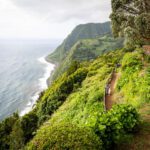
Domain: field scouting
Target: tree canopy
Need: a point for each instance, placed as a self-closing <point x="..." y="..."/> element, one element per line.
<point x="131" y="19"/>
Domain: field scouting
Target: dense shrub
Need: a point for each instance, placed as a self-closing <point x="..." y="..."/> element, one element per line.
<point x="83" y="107"/>
<point x="17" y="139"/>
<point x="73" y="67"/>
<point x="116" y="124"/>
<point x="66" y="137"/>
<point x="59" y="92"/>
<point x="133" y="84"/>
<point x="6" y="128"/>
<point x="132" y="60"/>
<point x="29" y="125"/>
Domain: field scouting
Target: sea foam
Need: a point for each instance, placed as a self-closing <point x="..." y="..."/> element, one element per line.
<point x="42" y="83"/>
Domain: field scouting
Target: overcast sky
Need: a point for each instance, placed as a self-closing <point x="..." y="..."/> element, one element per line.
<point x="48" y="18"/>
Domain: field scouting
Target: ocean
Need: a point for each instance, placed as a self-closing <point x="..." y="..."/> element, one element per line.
<point x="23" y="73"/>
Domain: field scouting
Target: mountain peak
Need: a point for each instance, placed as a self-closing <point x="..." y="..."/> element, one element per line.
<point x="82" y="31"/>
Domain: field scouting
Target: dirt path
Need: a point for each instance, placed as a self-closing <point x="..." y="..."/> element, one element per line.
<point x="109" y="98"/>
<point x="146" y="49"/>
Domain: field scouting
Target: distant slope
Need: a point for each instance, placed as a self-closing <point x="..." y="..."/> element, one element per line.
<point x="84" y="31"/>
<point x="88" y="49"/>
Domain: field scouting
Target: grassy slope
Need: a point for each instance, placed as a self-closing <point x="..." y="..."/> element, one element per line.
<point x="88" y="49"/>
<point x="134" y="88"/>
<point x="85" y="104"/>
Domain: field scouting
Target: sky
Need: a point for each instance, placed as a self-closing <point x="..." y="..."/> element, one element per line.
<point x="53" y="19"/>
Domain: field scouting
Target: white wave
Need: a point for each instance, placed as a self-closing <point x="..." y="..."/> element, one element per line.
<point x="48" y="70"/>
<point x="49" y="67"/>
<point x="30" y="104"/>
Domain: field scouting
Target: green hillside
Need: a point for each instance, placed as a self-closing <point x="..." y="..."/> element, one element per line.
<point x="70" y="114"/>
<point x="84" y="31"/>
<point x="83" y="108"/>
<point x="88" y="49"/>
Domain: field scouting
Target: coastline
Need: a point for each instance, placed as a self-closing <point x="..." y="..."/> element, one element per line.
<point x="49" y="79"/>
<point x="43" y="84"/>
<point x="49" y="71"/>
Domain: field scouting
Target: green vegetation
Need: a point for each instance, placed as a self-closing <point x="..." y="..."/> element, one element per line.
<point x="84" y="107"/>
<point x="132" y="20"/>
<point x="85" y="31"/>
<point x="15" y="132"/>
<point x="88" y="49"/>
<point x="86" y="42"/>
<point x="70" y="114"/>
<point x="110" y="127"/>
<point x="6" y="128"/>
<point x="73" y="105"/>
<point x="66" y="136"/>
<point x="117" y="124"/>
<point x="57" y="94"/>
<point x="133" y="86"/>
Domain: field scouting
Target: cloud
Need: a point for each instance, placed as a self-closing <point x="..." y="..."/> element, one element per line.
<point x="49" y="18"/>
<point x="63" y="10"/>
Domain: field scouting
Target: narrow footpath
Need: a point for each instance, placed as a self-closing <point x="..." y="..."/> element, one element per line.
<point x="109" y="96"/>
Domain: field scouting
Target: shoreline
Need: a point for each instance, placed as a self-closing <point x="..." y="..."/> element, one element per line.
<point x="49" y="79"/>
<point x="43" y="84"/>
<point x="49" y="71"/>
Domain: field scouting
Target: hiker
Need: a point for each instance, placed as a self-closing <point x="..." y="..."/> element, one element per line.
<point x="109" y="90"/>
<point x="118" y="65"/>
<point x="106" y="89"/>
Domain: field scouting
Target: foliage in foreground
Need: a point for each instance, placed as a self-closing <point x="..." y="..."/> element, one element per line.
<point x="16" y="131"/>
<point x="133" y="86"/>
<point x="115" y="125"/>
<point x="111" y="128"/>
<point x="82" y="106"/>
<point x="6" y="128"/>
<point x="57" y="94"/>
<point x="66" y="136"/>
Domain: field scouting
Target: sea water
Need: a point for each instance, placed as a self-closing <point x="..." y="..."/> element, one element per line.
<point x="23" y="73"/>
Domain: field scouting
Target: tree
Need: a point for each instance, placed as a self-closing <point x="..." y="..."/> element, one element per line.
<point x="6" y="129"/>
<point x="131" y="19"/>
<point x="73" y="67"/>
<point x="16" y="137"/>
<point x="29" y="125"/>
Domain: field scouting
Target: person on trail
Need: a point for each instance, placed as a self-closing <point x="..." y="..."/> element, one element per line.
<point x="118" y="65"/>
<point x="106" y="89"/>
<point x="109" y="90"/>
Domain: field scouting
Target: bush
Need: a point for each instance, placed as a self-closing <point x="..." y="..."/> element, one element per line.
<point x="59" y="92"/>
<point x="116" y="124"/>
<point x="66" y="137"/>
<point x="73" y="67"/>
<point x="29" y="125"/>
<point x="6" y="128"/>
<point x="132" y="60"/>
<point x="16" y="137"/>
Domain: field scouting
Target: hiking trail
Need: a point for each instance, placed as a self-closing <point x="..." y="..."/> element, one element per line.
<point x="109" y="96"/>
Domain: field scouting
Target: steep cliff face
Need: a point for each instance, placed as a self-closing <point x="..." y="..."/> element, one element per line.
<point x="88" y="49"/>
<point x="84" y="31"/>
<point x="86" y="42"/>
